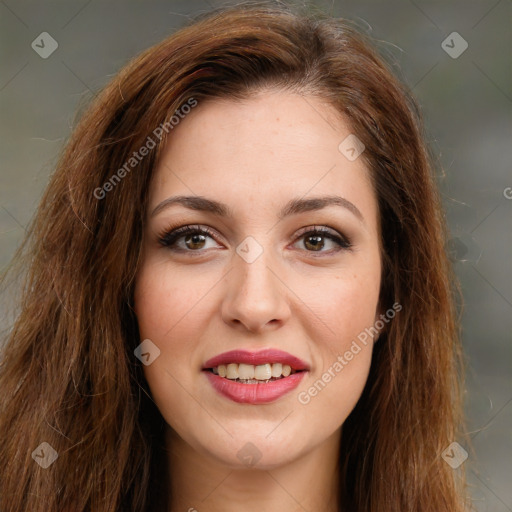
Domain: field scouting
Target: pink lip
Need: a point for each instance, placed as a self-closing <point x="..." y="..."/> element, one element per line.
<point x="268" y="355"/>
<point x="262" y="392"/>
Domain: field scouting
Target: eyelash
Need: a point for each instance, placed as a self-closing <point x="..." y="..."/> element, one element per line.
<point x="169" y="236"/>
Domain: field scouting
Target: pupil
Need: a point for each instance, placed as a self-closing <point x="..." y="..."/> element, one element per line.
<point x="318" y="240"/>
<point x="194" y="239"/>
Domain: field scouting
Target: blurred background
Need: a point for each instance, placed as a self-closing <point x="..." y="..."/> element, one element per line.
<point x="456" y="57"/>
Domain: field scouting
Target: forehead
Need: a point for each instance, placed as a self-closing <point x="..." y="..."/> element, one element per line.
<point x="268" y="148"/>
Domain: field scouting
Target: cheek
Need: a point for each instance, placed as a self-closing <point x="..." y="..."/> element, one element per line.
<point x="169" y="306"/>
<point x="346" y="306"/>
<point x="167" y="300"/>
<point x="343" y="302"/>
<point x="353" y="306"/>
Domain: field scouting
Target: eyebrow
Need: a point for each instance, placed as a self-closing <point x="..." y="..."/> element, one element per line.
<point x="293" y="207"/>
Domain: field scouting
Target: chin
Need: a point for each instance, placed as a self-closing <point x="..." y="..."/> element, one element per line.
<point x="254" y="455"/>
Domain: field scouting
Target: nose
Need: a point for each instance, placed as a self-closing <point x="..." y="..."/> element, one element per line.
<point x="257" y="298"/>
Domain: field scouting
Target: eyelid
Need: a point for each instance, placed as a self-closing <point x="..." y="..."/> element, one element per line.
<point x="176" y="232"/>
<point x="324" y="230"/>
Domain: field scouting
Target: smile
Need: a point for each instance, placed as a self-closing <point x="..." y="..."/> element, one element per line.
<point x="252" y="380"/>
<point x="250" y="374"/>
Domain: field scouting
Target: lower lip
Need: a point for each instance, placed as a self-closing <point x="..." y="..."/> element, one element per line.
<point x="263" y="393"/>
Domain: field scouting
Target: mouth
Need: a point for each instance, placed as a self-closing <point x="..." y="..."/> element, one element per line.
<point x="251" y="374"/>
<point x="255" y="377"/>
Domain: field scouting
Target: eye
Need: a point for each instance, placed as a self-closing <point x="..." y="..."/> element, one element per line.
<point x="195" y="239"/>
<point x="313" y="240"/>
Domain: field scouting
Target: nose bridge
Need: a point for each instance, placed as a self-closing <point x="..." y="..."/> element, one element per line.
<point x="256" y="295"/>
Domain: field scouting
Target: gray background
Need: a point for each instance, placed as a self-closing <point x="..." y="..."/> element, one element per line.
<point x="466" y="101"/>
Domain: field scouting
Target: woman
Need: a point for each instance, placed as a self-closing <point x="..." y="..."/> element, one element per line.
<point x="238" y="296"/>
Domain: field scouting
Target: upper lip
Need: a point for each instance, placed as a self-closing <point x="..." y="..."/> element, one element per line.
<point x="269" y="355"/>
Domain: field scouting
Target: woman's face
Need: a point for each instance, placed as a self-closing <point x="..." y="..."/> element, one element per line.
<point x="259" y="280"/>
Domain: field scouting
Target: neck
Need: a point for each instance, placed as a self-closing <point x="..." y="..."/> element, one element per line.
<point x="200" y="483"/>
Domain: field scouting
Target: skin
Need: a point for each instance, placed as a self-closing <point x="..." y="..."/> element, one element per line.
<point x="254" y="156"/>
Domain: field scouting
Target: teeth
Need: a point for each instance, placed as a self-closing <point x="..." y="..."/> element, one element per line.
<point x="263" y="372"/>
<point x="232" y="371"/>
<point x="277" y="369"/>
<point x="245" y="371"/>
<point x="250" y="373"/>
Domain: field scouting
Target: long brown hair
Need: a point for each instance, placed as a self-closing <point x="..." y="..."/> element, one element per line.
<point x="69" y="377"/>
